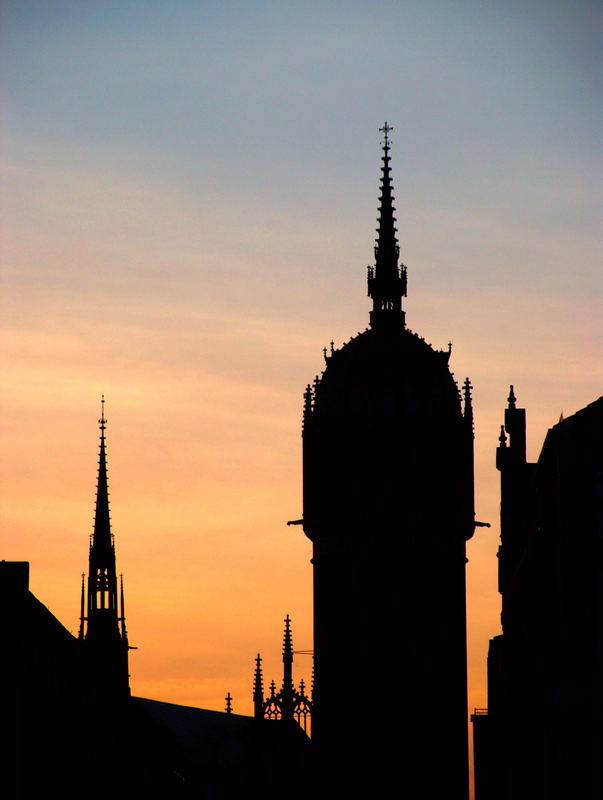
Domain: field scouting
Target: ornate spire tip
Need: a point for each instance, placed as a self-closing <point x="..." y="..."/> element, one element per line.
<point x="385" y="130"/>
<point x="102" y="421"/>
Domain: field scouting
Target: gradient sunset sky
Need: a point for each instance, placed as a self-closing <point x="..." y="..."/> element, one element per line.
<point x="190" y="193"/>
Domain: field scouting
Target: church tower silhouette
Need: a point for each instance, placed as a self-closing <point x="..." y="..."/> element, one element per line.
<point x="103" y="628"/>
<point x="388" y="505"/>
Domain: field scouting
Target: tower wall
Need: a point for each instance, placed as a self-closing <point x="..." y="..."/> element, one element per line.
<point x="388" y="504"/>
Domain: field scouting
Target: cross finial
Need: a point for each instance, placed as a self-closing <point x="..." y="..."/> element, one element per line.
<point x="102" y="420"/>
<point x="385" y="130"/>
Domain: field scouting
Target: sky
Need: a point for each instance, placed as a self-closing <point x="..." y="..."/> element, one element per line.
<point x="189" y="201"/>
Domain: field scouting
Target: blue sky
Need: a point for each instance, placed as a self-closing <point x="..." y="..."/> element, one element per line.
<point x="262" y="117"/>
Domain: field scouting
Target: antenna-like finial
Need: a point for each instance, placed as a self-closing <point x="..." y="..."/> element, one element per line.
<point x="102" y="421"/>
<point x="385" y="130"/>
<point x="287" y="641"/>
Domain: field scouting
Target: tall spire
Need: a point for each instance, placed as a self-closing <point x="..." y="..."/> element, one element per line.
<point x="103" y="622"/>
<point x="101" y="538"/>
<point x="258" y="689"/>
<point x="287" y="691"/>
<point x="386" y="280"/>
<point x="102" y="578"/>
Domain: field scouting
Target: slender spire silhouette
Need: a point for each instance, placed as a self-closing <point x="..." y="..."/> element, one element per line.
<point x="105" y="628"/>
<point x="468" y="405"/>
<point x="287" y="691"/>
<point x="102" y="578"/>
<point x="258" y="689"/>
<point x="386" y="280"/>
<point x="101" y="538"/>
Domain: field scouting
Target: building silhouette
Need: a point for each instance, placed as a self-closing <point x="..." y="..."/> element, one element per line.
<point x="69" y="725"/>
<point x="288" y="703"/>
<point x="388" y="506"/>
<point x="388" y="503"/>
<point x="541" y="735"/>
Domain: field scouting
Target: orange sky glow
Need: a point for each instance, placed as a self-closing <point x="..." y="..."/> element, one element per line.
<point x="184" y="230"/>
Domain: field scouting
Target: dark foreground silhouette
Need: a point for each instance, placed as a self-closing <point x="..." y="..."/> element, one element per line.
<point x="541" y="735"/>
